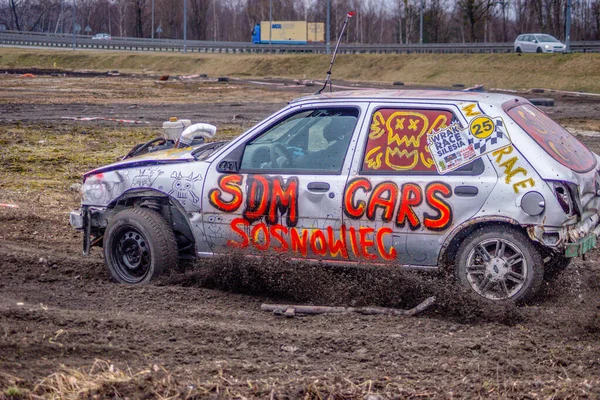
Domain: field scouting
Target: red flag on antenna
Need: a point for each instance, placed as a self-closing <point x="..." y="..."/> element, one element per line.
<point x="351" y="14"/>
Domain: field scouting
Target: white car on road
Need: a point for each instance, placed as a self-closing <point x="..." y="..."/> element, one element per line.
<point x="101" y="36"/>
<point x="539" y="43"/>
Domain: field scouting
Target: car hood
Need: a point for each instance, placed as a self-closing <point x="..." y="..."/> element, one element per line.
<point x="154" y="158"/>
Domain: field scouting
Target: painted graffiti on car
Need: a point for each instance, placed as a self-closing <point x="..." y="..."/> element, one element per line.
<point x="269" y="199"/>
<point x="512" y="168"/>
<point x="398" y="139"/>
<point x="402" y="201"/>
<point x="553" y="138"/>
<point x="471" y="110"/>
<point x="183" y="187"/>
<point x="363" y="242"/>
<point x="146" y="177"/>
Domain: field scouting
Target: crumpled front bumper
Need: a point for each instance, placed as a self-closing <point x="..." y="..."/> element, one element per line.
<point x="572" y="240"/>
<point x="81" y="220"/>
<point x="76" y="219"/>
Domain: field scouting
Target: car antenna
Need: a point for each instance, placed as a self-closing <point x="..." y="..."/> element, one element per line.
<point x="328" y="78"/>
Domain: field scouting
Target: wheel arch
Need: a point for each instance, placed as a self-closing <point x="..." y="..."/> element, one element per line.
<point x="452" y="243"/>
<point x="171" y="209"/>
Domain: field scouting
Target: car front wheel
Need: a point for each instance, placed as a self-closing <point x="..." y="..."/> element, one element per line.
<point x="539" y="50"/>
<point x="499" y="265"/>
<point x="519" y="50"/>
<point x="138" y="246"/>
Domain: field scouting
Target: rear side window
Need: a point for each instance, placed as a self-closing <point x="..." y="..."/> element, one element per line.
<point x="553" y="138"/>
<point x="398" y="140"/>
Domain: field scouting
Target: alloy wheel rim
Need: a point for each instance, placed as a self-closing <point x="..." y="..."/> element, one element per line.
<point x="496" y="269"/>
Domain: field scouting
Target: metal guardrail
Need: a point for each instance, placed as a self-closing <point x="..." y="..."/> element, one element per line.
<point x="17" y="38"/>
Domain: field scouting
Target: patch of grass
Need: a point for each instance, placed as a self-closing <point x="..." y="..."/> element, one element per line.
<point x="557" y="71"/>
<point x="14" y="392"/>
<point x="40" y="157"/>
<point x="47" y="158"/>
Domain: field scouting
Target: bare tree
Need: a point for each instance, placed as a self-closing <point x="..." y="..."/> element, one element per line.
<point x="376" y="21"/>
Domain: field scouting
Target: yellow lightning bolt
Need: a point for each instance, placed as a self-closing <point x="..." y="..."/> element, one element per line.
<point x="469" y="110"/>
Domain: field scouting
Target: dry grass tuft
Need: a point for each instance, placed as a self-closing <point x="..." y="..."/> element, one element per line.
<point x="103" y="379"/>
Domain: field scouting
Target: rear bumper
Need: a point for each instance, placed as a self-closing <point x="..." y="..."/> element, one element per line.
<point x="571" y="240"/>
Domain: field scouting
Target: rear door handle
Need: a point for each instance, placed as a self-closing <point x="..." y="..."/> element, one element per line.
<point x="318" y="187"/>
<point x="466" y="191"/>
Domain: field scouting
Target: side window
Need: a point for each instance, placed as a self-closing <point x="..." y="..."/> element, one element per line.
<point x="553" y="138"/>
<point x="397" y="143"/>
<point x="313" y="140"/>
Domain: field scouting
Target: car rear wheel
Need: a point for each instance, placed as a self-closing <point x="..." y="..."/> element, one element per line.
<point x="138" y="246"/>
<point x="499" y="265"/>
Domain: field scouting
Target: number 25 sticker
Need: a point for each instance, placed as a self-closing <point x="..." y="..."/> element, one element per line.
<point x="481" y="127"/>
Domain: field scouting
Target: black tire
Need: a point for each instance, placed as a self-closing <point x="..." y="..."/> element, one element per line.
<point x="519" y="50"/>
<point x="553" y="268"/>
<point x="539" y="50"/>
<point x="138" y="246"/>
<point x="513" y="272"/>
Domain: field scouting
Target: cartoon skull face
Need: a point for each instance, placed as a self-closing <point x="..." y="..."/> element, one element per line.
<point x="182" y="188"/>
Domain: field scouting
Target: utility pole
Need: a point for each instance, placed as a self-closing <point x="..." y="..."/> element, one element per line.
<point x="421" y="25"/>
<point x="152" y="19"/>
<point x="270" y="20"/>
<point x="108" y="12"/>
<point x="328" y="33"/>
<point x="568" y="26"/>
<point x="214" y="20"/>
<point x="185" y="26"/>
<point x="74" y="20"/>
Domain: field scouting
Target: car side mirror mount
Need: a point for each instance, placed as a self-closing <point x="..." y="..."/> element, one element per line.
<point x="231" y="162"/>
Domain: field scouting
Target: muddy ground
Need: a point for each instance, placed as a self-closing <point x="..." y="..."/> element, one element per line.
<point x="199" y="331"/>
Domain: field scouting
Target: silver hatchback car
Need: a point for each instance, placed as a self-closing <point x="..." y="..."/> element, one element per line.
<point x="485" y="184"/>
<point x="538" y="43"/>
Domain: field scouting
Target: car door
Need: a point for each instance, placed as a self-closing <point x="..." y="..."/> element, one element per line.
<point x="532" y="44"/>
<point x="279" y="189"/>
<point x="396" y="205"/>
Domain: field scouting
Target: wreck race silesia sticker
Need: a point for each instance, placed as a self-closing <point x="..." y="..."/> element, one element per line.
<point x="452" y="147"/>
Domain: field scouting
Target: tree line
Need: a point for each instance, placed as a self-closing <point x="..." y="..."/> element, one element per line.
<point x="376" y="21"/>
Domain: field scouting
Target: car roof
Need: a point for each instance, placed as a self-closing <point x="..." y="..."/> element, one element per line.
<point x="409" y="94"/>
<point x="536" y="33"/>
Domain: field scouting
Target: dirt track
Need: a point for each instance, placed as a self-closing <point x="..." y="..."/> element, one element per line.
<point x="203" y="323"/>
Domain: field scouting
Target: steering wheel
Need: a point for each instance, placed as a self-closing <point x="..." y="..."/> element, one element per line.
<point x="279" y="151"/>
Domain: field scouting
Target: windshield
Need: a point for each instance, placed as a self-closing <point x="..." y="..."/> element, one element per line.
<point x="546" y="38"/>
<point x="553" y="138"/>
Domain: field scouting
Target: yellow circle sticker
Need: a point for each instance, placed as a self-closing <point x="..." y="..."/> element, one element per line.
<point x="481" y="127"/>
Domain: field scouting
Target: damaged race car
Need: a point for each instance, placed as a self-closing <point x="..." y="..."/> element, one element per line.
<point x="485" y="184"/>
